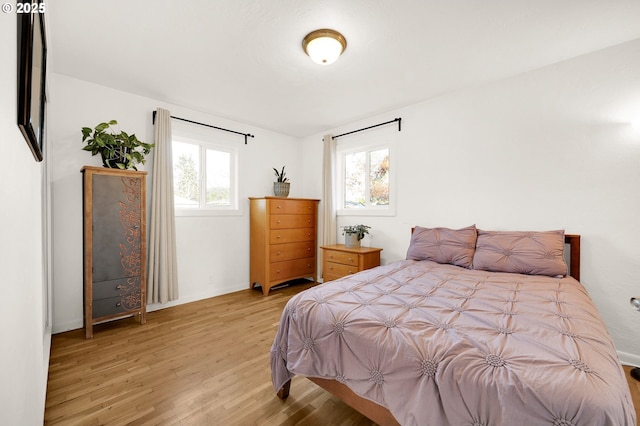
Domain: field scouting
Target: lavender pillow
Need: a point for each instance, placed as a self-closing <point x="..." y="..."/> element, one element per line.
<point x="443" y="245"/>
<point x="532" y="253"/>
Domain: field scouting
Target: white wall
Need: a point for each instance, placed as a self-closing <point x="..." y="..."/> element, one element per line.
<point x="553" y="148"/>
<point x="213" y="252"/>
<point x="24" y="356"/>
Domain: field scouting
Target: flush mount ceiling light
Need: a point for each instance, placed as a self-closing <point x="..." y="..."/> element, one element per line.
<point x="324" y="46"/>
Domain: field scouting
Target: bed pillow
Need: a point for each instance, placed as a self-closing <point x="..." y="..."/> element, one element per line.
<point x="443" y="245"/>
<point x="533" y="253"/>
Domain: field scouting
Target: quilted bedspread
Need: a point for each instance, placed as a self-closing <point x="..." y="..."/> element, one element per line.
<point x="444" y="345"/>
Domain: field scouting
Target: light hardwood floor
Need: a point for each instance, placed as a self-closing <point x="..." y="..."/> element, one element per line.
<point x="202" y="363"/>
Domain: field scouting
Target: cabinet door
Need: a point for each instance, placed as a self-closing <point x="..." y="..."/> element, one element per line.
<point x="116" y="227"/>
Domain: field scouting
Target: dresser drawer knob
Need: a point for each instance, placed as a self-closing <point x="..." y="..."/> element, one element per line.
<point x="350" y="260"/>
<point x="278" y="237"/>
<point x="278" y="253"/>
<point x="279" y="206"/>
<point x="278" y="222"/>
<point x="118" y="304"/>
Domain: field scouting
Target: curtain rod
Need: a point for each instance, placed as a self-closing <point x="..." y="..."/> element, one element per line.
<point x="246" y="135"/>
<point x="399" y="120"/>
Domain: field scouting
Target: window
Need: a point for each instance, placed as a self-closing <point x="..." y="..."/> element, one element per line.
<point x="204" y="177"/>
<point x="364" y="181"/>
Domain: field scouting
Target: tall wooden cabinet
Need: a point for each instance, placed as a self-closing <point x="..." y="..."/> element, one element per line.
<point x="283" y="240"/>
<point x="114" y="245"/>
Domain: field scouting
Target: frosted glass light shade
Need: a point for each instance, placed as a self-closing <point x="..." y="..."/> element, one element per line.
<point x="324" y="46"/>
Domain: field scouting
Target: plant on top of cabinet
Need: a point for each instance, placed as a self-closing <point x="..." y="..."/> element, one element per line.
<point x="118" y="150"/>
<point x="281" y="186"/>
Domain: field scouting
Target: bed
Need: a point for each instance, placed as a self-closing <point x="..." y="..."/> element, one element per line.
<point x="473" y="328"/>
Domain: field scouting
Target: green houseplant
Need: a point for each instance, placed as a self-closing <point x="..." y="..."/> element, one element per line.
<point x="353" y="234"/>
<point x="281" y="186"/>
<point x="118" y="150"/>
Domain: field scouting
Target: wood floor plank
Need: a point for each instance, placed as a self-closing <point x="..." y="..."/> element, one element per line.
<point x="200" y="363"/>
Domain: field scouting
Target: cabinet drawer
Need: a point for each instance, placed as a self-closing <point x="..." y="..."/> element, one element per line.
<point x="342" y="257"/>
<point x="289" y="251"/>
<point x="339" y="269"/>
<point x="115" y="288"/>
<point x="292" y="268"/>
<point x="281" y="236"/>
<point x="110" y="306"/>
<point x="292" y="207"/>
<point x="282" y="221"/>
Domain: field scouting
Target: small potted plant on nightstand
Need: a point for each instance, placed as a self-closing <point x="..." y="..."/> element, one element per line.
<point x="281" y="186"/>
<point x="353" y="234"/>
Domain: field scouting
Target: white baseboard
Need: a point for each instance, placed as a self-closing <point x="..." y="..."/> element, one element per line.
<point x="629" y="359"/>
<point x="194" y="298"/>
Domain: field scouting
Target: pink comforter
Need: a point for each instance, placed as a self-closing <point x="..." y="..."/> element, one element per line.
<point x="443" y="345"/>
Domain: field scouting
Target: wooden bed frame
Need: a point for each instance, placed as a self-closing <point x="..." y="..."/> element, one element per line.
<point x="382" y="415"/>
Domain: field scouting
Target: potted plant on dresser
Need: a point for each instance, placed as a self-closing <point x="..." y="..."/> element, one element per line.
<point x="281" y="186"/>
<point x="118" y="150"/>
<point x="353" y="234"/>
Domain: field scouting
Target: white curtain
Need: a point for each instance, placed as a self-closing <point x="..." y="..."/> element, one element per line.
<point x="162" y="282"/>
<point x="330" y="227"/>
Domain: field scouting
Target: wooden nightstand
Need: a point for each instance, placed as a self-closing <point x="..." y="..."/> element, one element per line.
<point x="339" y="261"/>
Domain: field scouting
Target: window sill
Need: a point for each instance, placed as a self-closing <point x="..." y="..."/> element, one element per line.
<point x="207" y="212"/>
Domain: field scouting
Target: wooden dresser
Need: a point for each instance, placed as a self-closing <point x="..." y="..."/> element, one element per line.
<point x="114" y="245"/>
<point x="339" y="261"/>
<point x="283" y="240"/>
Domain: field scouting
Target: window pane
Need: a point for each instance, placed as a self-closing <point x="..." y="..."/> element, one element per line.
<point x="379" y="177"/>
<point x="186" y="174"/>
<point x="218" y="178"/>
<point x="354" y="181"/>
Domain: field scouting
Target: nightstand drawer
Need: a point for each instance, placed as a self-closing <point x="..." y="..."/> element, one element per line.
<point x="345" y="258"/>
<point x="339" y="269"/>
<point x="339" y="261"/>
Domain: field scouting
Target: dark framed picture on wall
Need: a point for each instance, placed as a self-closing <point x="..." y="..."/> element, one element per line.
<point x="32" y="71"/>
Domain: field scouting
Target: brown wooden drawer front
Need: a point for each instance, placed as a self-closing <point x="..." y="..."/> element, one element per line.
<point x="289" y="251"/>
<point x="339" y="269"/>
<point x="292" y="207"/>
<point x="342" y="257"/>
<point x="292" y="268"/>
<point x="283" y="221"/>
<point x="282" y="236"/>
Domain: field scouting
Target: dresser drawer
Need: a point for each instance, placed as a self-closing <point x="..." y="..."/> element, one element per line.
<point x="338" y="269"/>
<point x="342" y="257"/>
<point x="292" y="207"/>
<point x="283" y="221"/>
<point x="281" y="236"/>
<point x="110" y="306"/>
<point x="289" y="251"/>
<point x="292" y="268"/>
<point x="115" y="288"/>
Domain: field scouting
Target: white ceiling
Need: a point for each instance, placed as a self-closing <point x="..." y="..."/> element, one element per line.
<point x="243" y="60"/>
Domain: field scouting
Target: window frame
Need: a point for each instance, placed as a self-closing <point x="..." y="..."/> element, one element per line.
<point x="346" y="148"/>
<point x="234" y="180"/>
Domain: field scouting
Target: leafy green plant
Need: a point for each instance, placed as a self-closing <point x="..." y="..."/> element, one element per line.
<point x="361" y="230"/>
<point x="280" y="175"/>
<point x="118" y="150"/>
